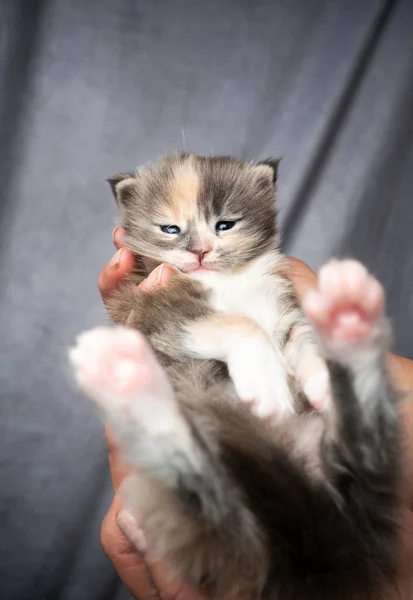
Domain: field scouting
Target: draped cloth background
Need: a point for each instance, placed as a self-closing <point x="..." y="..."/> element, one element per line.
<point x="88" y="89"/>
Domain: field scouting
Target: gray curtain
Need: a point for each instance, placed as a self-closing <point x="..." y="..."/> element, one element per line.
<point x="89" y="88"/>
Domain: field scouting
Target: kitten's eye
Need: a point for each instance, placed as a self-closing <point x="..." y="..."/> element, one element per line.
<point x="172" y="229"/>
<point x="224" y="225"/>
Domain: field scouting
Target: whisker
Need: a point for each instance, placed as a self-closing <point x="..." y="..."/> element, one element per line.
<point x="183" y="138"/>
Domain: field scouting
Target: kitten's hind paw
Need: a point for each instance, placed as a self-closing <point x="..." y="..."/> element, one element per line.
<point x="347" y="310"/>
<point x="117" y="369"/>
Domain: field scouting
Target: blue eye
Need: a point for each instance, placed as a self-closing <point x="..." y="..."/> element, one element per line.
<point x="172" y="229"/>
<point x="224" y="225"/>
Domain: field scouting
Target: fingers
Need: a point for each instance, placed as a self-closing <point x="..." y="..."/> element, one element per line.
<point x="145" y="578"/>
<point x="121" y="535"/>
<point x="159" y="276"/>
<point x="301" y="275"/>
<point x="128" y="563"/>
<point x="117" y="269"/>
<point x="122" y="265"/>
<point x="171" y="589"/>
<point x="168" y="589"/>
<point x="118" y="237"/>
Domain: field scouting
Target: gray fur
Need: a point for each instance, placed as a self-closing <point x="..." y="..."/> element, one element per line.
<point x="307" y="510"/>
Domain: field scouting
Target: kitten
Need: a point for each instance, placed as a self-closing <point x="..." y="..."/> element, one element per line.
<point x="240" y="487"/>
<point x="215" y="220"/>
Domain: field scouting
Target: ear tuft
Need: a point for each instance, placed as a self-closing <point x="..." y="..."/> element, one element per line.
<point x="273" y="164"/>
<point x="116" y="179"/>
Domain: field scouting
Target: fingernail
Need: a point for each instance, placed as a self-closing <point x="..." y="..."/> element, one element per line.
<point x="131" y="530"/>
<point x="117" y="235"/>
<point x="154" y="278"/>
<point x="115" y="261"/>
<point x="158" y="273"/>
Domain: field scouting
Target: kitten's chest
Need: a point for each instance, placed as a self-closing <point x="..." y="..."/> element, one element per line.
<point x="255" y="298"/>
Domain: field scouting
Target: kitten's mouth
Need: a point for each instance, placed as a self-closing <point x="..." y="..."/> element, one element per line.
<point x="200" y="269"/>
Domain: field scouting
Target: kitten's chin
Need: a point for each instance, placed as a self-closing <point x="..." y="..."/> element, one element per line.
<point x="202" y="274"/>
<point x="197" y="268"/>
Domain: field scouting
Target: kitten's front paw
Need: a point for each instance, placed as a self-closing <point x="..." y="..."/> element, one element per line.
<point x="347" y="309"/>
<point x="260" y="379"/>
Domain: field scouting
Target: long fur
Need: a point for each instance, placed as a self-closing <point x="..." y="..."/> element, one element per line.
<point x="302" y="509"/>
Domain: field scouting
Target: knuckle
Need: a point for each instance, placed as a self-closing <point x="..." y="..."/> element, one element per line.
<point x="106" y="537"/>
<point x="102" y="282"/>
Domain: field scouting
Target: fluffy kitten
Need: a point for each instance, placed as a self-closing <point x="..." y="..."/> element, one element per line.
<point x="239" y="486"/>
<point x="215" y="220"/>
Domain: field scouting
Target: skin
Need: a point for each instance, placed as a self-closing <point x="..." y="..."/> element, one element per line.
<point x="144" y="577"/>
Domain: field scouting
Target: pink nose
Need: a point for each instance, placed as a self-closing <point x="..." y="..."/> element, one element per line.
<point x="199" y="253"/>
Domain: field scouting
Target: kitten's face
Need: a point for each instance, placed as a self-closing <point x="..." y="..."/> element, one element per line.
<point x="199" y="213"/>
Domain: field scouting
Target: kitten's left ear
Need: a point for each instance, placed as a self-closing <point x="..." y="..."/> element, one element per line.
<point x="273" y="164"/>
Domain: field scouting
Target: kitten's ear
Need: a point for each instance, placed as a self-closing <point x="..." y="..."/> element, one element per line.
<point x="273" y="164"/>
<point x="116" y="180"/>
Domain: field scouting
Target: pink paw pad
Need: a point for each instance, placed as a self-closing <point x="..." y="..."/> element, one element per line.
<point x="113" y="361"/>
<point x="347" y="304"/>
<point x="117" y="369"/>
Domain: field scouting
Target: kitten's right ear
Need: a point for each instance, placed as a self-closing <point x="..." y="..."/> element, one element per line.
<point x="273" y="164"/>
<point x="116" y="180"/>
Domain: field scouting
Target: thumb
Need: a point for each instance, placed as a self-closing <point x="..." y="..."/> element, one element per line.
<point x="125" y="559"/>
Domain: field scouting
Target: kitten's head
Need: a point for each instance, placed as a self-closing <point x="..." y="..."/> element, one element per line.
<point x="197" y="212"/>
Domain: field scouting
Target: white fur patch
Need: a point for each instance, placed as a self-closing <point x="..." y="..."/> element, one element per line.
<point x="253" y="293"/>
<point x="256" y="365"/>
<point x="259" y="375"/>
<point x="119" y="372"/>
<point x="317" y="389"/>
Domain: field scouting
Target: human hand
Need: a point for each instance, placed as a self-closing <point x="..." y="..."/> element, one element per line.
<point x="146" y="579"/>
<point x="122" y="264"/>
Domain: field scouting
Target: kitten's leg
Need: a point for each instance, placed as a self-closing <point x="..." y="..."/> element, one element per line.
<point x="179" y="322"/>
<point x="116" y="368"/>
<point x="303" y="357"/>
<point x="190" y="514"/>
<point x="255" y="364"/>
<point x="347" y="313"/>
